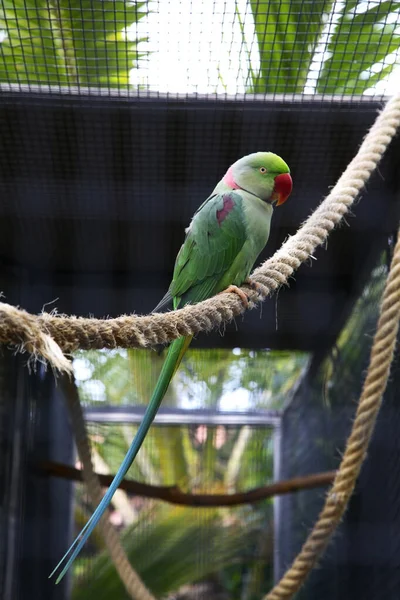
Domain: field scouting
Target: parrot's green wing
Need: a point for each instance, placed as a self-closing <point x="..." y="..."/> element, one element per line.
<point x="214" y="239"/>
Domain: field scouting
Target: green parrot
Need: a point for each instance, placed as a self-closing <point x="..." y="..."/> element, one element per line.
<point x="222" y="243"/>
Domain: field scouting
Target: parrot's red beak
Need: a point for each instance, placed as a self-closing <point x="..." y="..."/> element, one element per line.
<point x="282" y="188"/>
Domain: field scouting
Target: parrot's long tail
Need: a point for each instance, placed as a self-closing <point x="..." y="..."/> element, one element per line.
<point x="172" y="361"/>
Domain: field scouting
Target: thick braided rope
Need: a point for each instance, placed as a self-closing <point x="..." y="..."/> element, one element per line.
<point x="71" y="333"/>
<point x="131" y="580"/>
<point x="357" y="444"/>
<point x="22" y="329"/>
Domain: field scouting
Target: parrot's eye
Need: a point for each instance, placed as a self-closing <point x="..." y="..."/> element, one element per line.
<point x="263" y="170"/>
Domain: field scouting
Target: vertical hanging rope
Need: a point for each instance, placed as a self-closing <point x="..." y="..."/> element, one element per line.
<point x="370" y="401"/>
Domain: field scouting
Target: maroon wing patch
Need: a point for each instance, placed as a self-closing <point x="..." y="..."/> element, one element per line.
<point x="227" y="207"/>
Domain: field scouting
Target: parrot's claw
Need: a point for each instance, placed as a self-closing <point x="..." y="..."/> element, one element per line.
<point x="233" y="289"/>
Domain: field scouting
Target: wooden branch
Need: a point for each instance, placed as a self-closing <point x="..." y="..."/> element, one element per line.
<point x="174" y="495"/>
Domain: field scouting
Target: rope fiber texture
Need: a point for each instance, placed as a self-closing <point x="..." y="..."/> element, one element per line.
<point x="370" y="401"/>
<point x="32" y="333"/>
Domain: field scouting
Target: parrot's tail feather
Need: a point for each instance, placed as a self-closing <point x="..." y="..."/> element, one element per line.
<point x="172" y="361"/>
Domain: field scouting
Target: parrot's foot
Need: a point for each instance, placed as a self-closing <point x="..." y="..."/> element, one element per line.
<point x="233" y="289"/>
<point x="253" y="284"/>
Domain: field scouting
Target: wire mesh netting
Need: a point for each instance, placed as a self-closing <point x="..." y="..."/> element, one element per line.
<point x="210" y="47"/>
<point x="117" y="119"/>
<point x="104" y="162"/>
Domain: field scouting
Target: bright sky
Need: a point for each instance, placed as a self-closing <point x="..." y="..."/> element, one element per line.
<point x="196" y="46"/>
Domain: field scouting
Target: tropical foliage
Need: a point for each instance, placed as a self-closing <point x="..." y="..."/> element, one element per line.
<point x="207" y="379"/>
<point x="68" y="42"/>
<point x="327" y="47"/>
<point x="171" y="547"/>
<point x="197" y="458"/>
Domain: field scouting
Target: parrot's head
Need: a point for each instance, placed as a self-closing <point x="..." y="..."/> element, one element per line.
<point x="263" y="174"/>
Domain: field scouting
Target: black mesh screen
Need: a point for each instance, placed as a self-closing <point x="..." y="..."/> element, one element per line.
<point x="35" y="510"/>
<point x="95" y="197"/>
<point x="362" y="560"/>
<point x="117" y="119"/>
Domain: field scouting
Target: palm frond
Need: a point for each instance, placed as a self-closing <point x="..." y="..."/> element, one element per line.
<point x="180" y="547"/>
<point x="287" y="34"/>
<point x="363" y="36"/>
<point x="344" y="46"/>
<point x="69" y="42"/>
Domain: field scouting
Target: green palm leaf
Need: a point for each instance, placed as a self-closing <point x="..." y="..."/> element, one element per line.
<point x="360" y="40"/>
<point x="68" y="42"/>
<point x="167" y="555"/>
<point x="357" y="41"/>
<point x="287" y="34"/>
